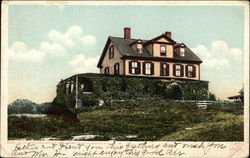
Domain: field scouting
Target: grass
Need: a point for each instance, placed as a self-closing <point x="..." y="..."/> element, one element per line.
<point x="227" y="128"/>
<point x="148" y="119"/>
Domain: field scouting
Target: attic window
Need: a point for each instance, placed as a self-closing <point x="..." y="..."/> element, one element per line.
<point x="139" y="47"/>
<point x="111" y="52"/>
<point x="163" y="50"/>
<point x="182" y="52"/>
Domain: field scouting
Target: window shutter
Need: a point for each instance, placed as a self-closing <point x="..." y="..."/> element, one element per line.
<point x="152" y="68"/>
<point x="194" y="71"/>
<point x="182" y="69"/>
<point x="167" y="69"/>
<point x="174" y="70"/>
<point x="161" y="69"/>
<point x="186" y="69"/>
<point x="138" y="68"/>
<point x="130" y="67"/>
<point x="143" y="68"/>
<point x="109" y="54"/>
<point x="118" y="69"/>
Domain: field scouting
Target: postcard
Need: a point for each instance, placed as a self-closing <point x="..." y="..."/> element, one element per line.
<point x="125" y="79"/>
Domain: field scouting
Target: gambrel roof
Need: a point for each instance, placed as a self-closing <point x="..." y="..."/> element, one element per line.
<point x="127" y="52"/>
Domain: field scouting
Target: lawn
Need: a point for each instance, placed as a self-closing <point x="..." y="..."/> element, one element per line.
<point x="148" y="120"/>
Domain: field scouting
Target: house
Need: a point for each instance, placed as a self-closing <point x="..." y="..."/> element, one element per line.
<point x="136" y="68"/>
<point x="238" y="98"/>
<point x="158" y="57"/>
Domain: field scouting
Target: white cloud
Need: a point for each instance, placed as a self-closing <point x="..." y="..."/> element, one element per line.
<point x="215" y="63"/>
<point x="202" y="51"/>
<point x="19" y="51"/>
<point x="72" y="36"/>
<point x="54" y="48"/>
<point x="55" y="35"/>
<point x="219" y="47"/>
<point x="73" y="32"/>
<point x="58" y="44"/>
<point x="88" y="40"/>
<point x="219" y="55"/>
<point x="82" y="64"/>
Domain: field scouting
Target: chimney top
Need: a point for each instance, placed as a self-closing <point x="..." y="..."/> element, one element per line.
<point x="168" y="33"/>
<point x="127" y="33"/>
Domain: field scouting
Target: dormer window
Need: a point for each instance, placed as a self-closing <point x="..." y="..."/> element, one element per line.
<point x="182" y="52"/>
<point x="139" y="48"/>
<point x="163" y="50"/>
<point x="111" y="52"/>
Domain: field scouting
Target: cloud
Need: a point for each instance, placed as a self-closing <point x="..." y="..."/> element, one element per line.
<point x="72" y="36"/>
<point x="19" y="51"/>
<point x="54" y="48"/>
<point x="219" y="47"/>
<point x="219" y="55"/>
<point x="88" y="40"/>
<point x="215" y="63"/>
<point x="58" y="44"/>
<point x="202" y="51"/>
<point x="82" y="64"/>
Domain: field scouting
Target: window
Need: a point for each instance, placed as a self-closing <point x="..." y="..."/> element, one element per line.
<point x="139" y="47"/>
<point x="134" y="67"/>
<point x="111" y="52"/>
<point x="164" y="69"/>
<point x="147" y="68"/>
<point x="106" y="70"/>
<point x="116" y="69"/>
<point x="163" y="50"/>
<point x="177" y="70"/>
<point x="182" y="52"/>
<point x="190" y="71"/>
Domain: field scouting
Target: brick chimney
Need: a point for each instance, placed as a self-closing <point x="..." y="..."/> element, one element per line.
<point x="127" y="33"/>
<point x="168" y="34"/>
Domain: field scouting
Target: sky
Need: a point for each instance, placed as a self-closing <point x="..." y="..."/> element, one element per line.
<point x="48" y="43"/>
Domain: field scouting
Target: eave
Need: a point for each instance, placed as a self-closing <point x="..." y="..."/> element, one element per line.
<point x="161" y="59"/>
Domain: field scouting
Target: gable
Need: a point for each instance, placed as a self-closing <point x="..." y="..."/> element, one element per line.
<point x="163" y="40"/>
<point x="105" y="52"/>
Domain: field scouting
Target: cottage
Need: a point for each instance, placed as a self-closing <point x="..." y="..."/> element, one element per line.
<point x="158" y="57"/>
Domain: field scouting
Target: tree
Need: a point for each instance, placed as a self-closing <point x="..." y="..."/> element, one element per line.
<point x="22" y="106"/>
<point x="211" y="97"/>
<point x="174" y="91"/>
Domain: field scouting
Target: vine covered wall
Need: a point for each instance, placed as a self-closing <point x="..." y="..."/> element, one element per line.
<point x="94" y="87"/>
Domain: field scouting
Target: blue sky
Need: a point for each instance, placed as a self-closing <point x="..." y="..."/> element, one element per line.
<point x="47" y="44"/>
